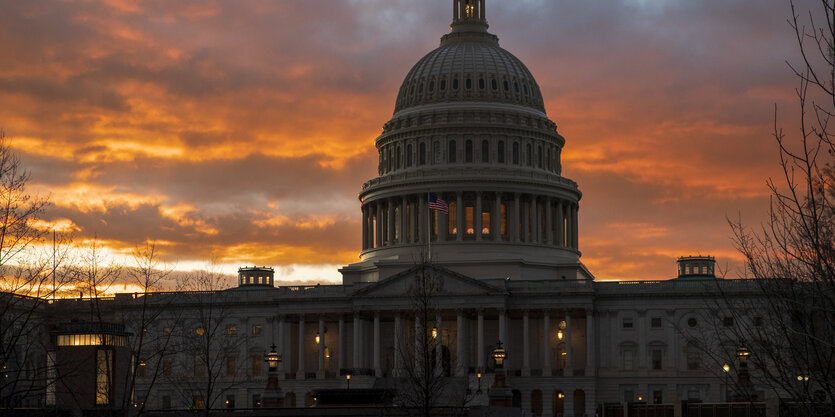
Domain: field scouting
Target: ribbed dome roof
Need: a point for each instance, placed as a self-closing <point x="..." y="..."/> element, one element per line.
<point x="469" y="66"/>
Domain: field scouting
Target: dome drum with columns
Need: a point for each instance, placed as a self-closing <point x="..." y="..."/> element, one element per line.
<point x="470" y="127"/>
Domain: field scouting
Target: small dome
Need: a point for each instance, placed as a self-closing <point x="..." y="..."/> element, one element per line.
<point x="469" y="66"/>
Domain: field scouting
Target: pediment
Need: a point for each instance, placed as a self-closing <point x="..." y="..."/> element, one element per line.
<point x="443" y="282"/>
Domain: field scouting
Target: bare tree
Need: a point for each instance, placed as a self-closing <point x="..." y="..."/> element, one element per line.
<point x="25" y="284"/>
<point x="786" y="315"/>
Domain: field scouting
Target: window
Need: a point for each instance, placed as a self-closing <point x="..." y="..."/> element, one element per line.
<point x="199" y="363"/>
<point x="431" y="86"/>
<point x="408" y="155"/>
<point x="167" y="331"/>
<point x="200" y="331"/>
<point x="231" y="330"/>
<point x="501" y="151"/>
<point x="728" y="322"/>
<point x="455" y="83"/>
<point x="469" y="227"/>
<point x="506" y="86"/>
<point x="140" y="370"/>
<point x="104" y="375"/>
<point x="656" y="359"/>
<point x="758" y="321"/>
<point x="397" y="164"/>
<point x="166" y="402"/>
<point x="485" y="151"/>
<point x="452" y="152"/>
<point x="256" y="329"/>
<point x="468" y="151"/>
<point x="494" y="84"/>
<point x="657" y="397"/>
<point x="437" y="151"/>
<point x="197" y="402"/>
<point x="481" y="84"/>
<point x="443" y="85"/>
<point x="628" y="323"/>
<point x="693" y="394"/>
<point x="539" y="157"/>
<point x="515" y="159"/>
<point x="516" y="87"/>
<point x="692" y="322"/>
<point x="230" y="401"/>
<point x="693" y="356"/>
<point x="528" y="155"/>
<point x="422" y="154"/>
<point x="469" y="84"/>
<point x="257" y="362"/>
<point x="656" y="322"/>
<point x="628" y="362"/>
<point x="628" y="396"/>
<point x="256" y="401"/>
<point x="231" y="365"/>
<point x="166" y="366"/>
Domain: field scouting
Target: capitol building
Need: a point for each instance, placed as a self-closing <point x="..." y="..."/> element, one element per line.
<point x="470" y="190"/>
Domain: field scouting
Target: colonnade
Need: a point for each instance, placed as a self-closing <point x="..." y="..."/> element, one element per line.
<point x="504" y="217"/>
<point x="520" y="357"/>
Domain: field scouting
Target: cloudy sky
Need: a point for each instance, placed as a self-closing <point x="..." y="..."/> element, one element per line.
<point x="242" y="130"/>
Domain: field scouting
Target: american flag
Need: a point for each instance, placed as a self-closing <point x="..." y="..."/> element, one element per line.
<point x="436" y="203"/>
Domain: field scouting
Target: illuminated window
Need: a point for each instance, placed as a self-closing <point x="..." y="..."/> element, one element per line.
<point x="485" y="221"/>
<point x="231" y="365"/>
<point x="256" y="329"/>
<point x="453" y="149"/>
<point x="504" y="219"/>
<point x="140" y="369"/>
<point x="485" y="151"/>
<point x="91" y="340"/>
<point x="104" y="375"/>
<point x="501" y="151"/>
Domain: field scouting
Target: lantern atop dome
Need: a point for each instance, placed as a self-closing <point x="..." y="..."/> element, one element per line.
<point x="468" y="16"/>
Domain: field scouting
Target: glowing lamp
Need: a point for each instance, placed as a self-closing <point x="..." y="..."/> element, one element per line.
<point x="272" y="358"/>
<point x="499" y="355"/>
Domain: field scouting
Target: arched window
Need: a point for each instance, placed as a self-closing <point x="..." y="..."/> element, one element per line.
<point x="579" y="402"/>
<point x="494" y="84"/>
<point x="536" y="402"/>
<point x="408" y="155"/>
<point x="397" y="165"/>
<point x="516" y="401"/>
<point x="431" y="86"/>
<point x="506" y="86"/>
<point x="485" y="151"/>
<point x="308" y="400"/>
<point x="515" y="153"/>
<point x="516" y="87"/>
<point x="455" y="83"/>
<point x="422" y="154"/>
<point x="548" y="158"/>
<point x="469" y="84"/>
<point x="528" y="155"/>
<point x="390" y="159"/>
<point x="468" y="151"/>
<point x="290" y="400"/>
<point x="453" y="150"/>
<point x="436" y="151"/>
<point x="481" y="83"/>
<point x="558" y="403"/>
<point x="501" y="151"/>
<point x="539" y="156"/>
<point x="443" y="85"/>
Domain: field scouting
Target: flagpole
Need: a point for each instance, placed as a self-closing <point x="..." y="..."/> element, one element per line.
<point x="428" y="228"/>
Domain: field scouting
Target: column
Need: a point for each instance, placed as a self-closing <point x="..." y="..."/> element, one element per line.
<point x="443" y="226"/>
<point x="560" y="224"/>
<point x="378" y="370"/>
<point x="320" y="371"/>
<point x="546" y="351"/>
<point x="391" y="218"/>
<point x="398" y="344"/>
<point x="280" y="348"/>
<point x="423" y="228"/>
<point x="526" y="346"/>
<point x="477" y="216"/>
<point x="516" y="219"/>
<point x="496" y="218"/>
<point x="455" y="13"/>
<point x="461" y="368"/>
<point x="569" y="369"/>
<point x="526" y="221"/>
<point x="439" y="343"/>
<point x="340" y="348"/>
<point x="364" y="228"/>
<point x="590" y="357"/>
<point x="642" y="335"/>
<point x="379" y="225"/>
<point x="404" y="221"/>
<point x="355" y="363"/>
<point x="576" y="227"/>
<point x="503" y="333"/>
<point x="549" y="223"/>
<point x="537" y="220"/>
<point x="459" y="206"/>
<point x="300" y="372"/>
<point x="480" y="342"/>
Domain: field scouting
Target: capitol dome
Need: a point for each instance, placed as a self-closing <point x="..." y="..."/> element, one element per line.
<point x="469" y="131"/>
<point x="469" y="66"/>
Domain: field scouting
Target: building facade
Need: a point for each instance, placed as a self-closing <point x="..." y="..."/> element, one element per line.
<point x="469" y="129"/>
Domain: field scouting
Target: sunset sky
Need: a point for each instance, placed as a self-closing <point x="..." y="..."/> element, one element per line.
<point x="242" y="130"/>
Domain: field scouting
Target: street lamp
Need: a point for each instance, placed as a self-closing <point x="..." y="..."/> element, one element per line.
<point x="478" y="375"/>
<point x="743" y="378"/>
<point x="804" y="379"/>
<point x="273" y="397"/>
<point x="499" y="355"/>
<point x="727" y="369"/>
<point x="348" y="378"/>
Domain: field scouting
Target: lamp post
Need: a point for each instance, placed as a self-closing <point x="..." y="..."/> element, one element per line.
<point x="348" y="378"/>
<point x="727" y="369"/>
<point x="743" y="380"/>
<point x="478" y="375"/>
<point x="499" y="394"/>
<point x="273" y="397"/>
<point x="804" y="379"/>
